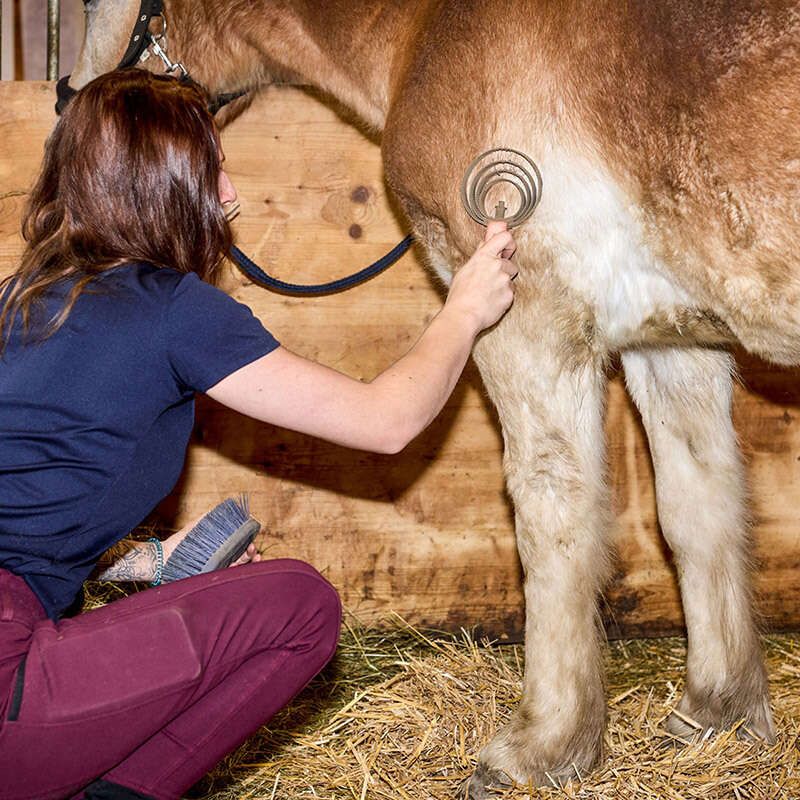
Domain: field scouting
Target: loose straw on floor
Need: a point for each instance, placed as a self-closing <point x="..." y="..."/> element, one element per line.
<point x="402" y="716"/>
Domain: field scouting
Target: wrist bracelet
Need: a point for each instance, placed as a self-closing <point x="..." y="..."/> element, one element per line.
<point x="159" y="561"/>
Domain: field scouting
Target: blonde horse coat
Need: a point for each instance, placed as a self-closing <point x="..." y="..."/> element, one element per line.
<point x="668" y="136"/>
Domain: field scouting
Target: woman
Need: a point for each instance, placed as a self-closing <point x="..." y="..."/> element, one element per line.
<point x="109" y="328"/>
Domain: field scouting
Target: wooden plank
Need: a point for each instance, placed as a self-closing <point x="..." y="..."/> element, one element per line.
<point x="429" y="533"/>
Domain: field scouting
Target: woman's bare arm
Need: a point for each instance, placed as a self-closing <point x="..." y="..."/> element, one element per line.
<point x="383" y="415"/>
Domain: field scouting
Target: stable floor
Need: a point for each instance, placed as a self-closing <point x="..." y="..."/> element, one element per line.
<point x="401" y="715"/>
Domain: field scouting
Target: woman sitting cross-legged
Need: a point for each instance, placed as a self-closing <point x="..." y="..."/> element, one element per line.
<point x="108" y="329"/>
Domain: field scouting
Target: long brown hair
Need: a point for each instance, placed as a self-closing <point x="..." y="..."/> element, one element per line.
<point x="130" y="173"/>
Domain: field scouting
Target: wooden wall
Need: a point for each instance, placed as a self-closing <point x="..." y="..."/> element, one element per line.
<point x="23" y="39"/>
<point x="427" y="534"/>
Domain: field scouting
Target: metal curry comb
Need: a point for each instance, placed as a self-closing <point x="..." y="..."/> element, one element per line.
<point x="497" y="166"/>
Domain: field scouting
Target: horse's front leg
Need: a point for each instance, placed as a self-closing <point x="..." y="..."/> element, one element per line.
<point x="549" y="390"/>
<point x="685" y="400"/>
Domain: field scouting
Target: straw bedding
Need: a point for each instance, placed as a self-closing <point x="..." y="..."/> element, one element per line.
<point x="402" y="715"/>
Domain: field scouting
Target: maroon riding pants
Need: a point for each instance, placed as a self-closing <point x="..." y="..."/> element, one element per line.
<point x="152" y="690"/>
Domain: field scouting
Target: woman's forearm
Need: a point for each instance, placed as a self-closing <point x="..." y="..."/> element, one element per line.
<point x="386" y="413"/>
<point x="127" y="560"/>
<point x="410" y="394"/>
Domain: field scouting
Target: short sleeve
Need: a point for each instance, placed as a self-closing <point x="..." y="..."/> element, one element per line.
<point x="209" y="335"/>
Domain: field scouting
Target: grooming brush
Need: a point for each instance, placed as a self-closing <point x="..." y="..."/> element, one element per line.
<point x="215" y="542"/>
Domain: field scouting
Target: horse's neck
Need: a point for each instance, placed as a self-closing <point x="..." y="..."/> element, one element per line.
<point x="347" y="48"/>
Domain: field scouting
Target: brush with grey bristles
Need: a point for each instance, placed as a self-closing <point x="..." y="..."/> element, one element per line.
<point x="216" y="541"/>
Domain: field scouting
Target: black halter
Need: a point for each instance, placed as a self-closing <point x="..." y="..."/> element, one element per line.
<point x="139" y="41"/>
<point x="136" y="46"/>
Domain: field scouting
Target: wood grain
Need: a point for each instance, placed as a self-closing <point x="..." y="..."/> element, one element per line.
<point x="427" y="534"/>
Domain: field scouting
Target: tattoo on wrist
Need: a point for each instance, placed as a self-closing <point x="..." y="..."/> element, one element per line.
<point x="128" y="561"/>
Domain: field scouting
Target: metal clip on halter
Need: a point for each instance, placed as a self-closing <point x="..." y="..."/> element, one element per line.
<point x="169" y="65"/>
<point x="501" y="165"/>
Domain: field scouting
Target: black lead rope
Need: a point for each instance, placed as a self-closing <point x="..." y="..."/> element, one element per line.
<point x="255" y="273"/>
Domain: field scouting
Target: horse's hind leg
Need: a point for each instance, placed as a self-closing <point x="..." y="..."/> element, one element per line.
<point x="685" y="400"/>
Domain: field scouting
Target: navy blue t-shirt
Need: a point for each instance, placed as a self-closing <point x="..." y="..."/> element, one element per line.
<point x="95" y="419"/>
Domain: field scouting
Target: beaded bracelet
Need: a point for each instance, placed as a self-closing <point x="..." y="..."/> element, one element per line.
<point x="159" y="561"/>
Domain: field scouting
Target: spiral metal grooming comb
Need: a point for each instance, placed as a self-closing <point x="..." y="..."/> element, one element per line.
<point x="497" y="166"/>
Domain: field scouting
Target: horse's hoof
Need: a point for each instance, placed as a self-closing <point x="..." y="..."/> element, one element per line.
<point x="684" y="729"/>
<point x="483" y="781"/>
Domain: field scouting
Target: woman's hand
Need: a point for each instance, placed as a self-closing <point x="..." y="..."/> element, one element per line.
<point x="251" y="554"/>
<point x="483" y="289"/>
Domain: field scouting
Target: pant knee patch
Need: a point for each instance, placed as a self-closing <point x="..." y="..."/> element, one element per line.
<point x="110" y="668"/>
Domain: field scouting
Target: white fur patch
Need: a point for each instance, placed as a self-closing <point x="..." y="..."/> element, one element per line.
<point x="598" y="239"/>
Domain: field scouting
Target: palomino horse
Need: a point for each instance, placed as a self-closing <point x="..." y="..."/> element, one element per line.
<point x="668" y="138"/>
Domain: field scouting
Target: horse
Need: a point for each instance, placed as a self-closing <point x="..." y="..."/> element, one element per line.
<point x="667" y="136"/>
